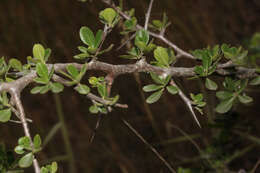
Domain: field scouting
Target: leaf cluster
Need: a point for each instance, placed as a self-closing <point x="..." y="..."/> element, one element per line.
<point x="233" y="92"/>
<point x="158" y="88"/>
<point x="25" y="147"/>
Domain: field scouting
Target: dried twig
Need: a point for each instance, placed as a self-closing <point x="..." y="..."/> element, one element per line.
<point x="149" y="145"/>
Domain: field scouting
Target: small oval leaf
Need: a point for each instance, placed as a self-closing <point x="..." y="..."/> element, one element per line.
<point x="172" y="89"/>
<point x="5" y="115"/>
<point x="210" y="84"/>
<point x="82" y="89"/>
<point x="87" y="36"/>
<point x="108" y="15"/>
<point x="26" y="161"/>
<point x="154" y="97"/>
<point x="224" y="106"/>
<point x="38" y="52"/>
<point x="245" y="99"/>
<point x="152" y="87"/>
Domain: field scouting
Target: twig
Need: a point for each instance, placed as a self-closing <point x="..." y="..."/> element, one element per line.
<point x="17" y="115"/>
<point x="89" y="95"/>
<point x="16" y="99"/>
<point x="148" y="14"/>
<point x="127" y="41"/>
<point x="255" y="167"/>
<point x="109" y="80"/>
<point x="180" y="52"/>
<point x="100" y="117"/>
<point x="150" y="146"/>
<point x="188" y="137"/>
<point x="105" y="102"/>
<point x="104" y="35"/>
<point x="188" y="102"/>
<point x="14" y="121"/>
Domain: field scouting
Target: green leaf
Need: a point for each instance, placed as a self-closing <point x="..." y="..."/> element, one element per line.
<point x="16" y="64"/>
<point x="26" y="161"/>
<point x="25" y="142"/>
<point x="102" y="90"/>
<point x="206" y="63"/>
<point x="201" y="104"/>
<point x="37" y="89"/>
<point x="150" y="47"/>
<point x="172" y="89"/>
<point x="198" y="53"/>
<point x="5" y="115"/>
<point x="93" y="109"/>
<point x="82" y="72"/>
<point x="87" y="36"/>
<point x="223" y="95"/>
<point x="98" y="38"/>
<point x="128" y="57"/>
<point x="51" y="72"/>
<point x="82" y="56"/>
<point x="152" y="87"/>
<point x="83" y="49"/>
<point x="130" y="24"/>
<point x="225" y="105"/>
<point x="93" y="81"/>
<point x="37" y="141"/>
<point x="54" y="167"/>
<point x="45" y="89"/>
<point x="108" y="15"/>
<point x="161" y="55"/>
<point x="103" y="110"/>
<point x="142" y="36"/>
<point x="73" y="71"/>
<point x="41" y="80"/>
<point x="255" y="81"/>
<point x="245" y="99"/>
<point x="44" y="170"/>
<point x="39" y="52"/>
<point x="114" y="100"/>
<point x="154" y="97"/>
<point x="92" y="50"/>
<point x="19" y="149"/>
<point x="157" y="79"/>
<point x="4" y="99"/>
<point x="199" y="70"/>
<point x="157" y="23"/>
<point x="141" y="45"/>
<point x="198" y="99"/>
<point x="210" y="84"/>
<point x="47" y="54"/>
<point x="82" y="89"/>
<point x="42" y="71"/>
<point x="56" y="87"/>
<point x="106" y="50"/>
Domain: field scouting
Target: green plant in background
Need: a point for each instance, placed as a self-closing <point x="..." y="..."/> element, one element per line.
<point x="234" y="65"/>
<point x="7" y="160"/>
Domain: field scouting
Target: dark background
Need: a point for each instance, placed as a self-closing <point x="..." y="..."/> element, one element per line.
<point x="195" y="24"/>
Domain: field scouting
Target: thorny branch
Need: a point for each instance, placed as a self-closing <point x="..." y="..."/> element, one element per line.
<point x="187" y="101"/>
<point x="17" y="101"/>
<point x="148" y="15"/>
<point x="180" y="52"/>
